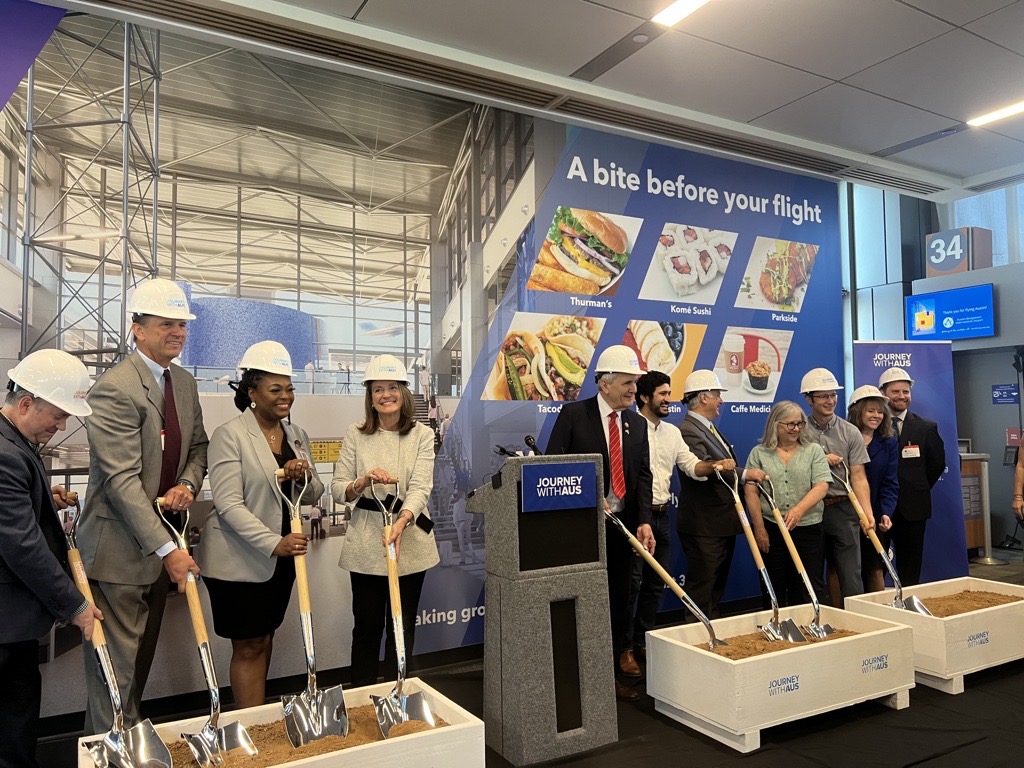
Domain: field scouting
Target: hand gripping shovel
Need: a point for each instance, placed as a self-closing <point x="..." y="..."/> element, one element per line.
<point x="912" y="603"/>
<point x="814" y="629"/>
<point x="316" y="712"/>
<point x="211" y="745"/>
<point x="396" y="707"/>
<point x="713" y="642"/>
<point x="773" y="630"/>
<point x="140" y="746"/>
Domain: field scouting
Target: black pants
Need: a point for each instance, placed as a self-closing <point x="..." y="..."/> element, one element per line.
<point x="371" y="612"/>
<point x="789" y="587"/>
<point x="908" y="541"/>
<point x="646" y="586"/>
<point x="19" y="704"/>
<point x="707" y="570"/>
<point x="620" y="574"/>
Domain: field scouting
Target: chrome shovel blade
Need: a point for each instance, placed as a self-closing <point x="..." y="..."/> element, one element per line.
<point x="791" y="632"/>
<point x="138" y="747"/>
<point x="311" y="716"/>
<point x="819" y="631"/>
<point x="913" y="603"/>
<point x="394" y="709"/>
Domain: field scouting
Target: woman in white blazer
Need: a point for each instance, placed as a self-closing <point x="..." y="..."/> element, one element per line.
<point x="390" y="444"/>
<point x="247" y="548"/>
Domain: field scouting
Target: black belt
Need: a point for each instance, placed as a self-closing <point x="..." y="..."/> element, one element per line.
<point x="830" y="500"/>
<point x="659" y="507"/>
<point x="371" y="504"/>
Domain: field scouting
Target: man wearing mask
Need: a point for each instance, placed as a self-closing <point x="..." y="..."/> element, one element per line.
<point x="146" y="440"/>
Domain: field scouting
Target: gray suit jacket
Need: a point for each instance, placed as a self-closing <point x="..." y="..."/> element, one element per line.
<point x="240" y="536"/>
<point x="120" y="530"/>
<point x="35" y="590"/>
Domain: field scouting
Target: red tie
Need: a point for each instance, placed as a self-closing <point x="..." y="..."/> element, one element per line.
<point x="172" y="439"/>
<point x="615" y="454"/>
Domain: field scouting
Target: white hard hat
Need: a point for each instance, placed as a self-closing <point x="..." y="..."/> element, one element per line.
<point x="863" y="393"/>
<point x="269" y="356"/>
<point x="162" y="298"/>
<point x="889" y="375"/>
<point x="57" y="378"/>
<point x="702" y="380"/>
<point x="818" y="380"/>
<point x="618" y="358"/>
<point x="385" y="368"/>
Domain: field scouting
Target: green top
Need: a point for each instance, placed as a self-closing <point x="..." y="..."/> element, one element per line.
<point x="792" y="481"/>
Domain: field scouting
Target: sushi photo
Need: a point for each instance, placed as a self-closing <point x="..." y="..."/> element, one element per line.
<point x="694" y="259"/>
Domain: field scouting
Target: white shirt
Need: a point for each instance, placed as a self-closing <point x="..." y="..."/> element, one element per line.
<point x="721" y="441"/>
<point x="155" y="368"/>
<point x="615" y="504"/>
<point x="668" y="451"/>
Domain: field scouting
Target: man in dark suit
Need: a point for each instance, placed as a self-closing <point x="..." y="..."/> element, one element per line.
<point x="707" y="521"/>
<point x="146" y="440"/>
<point x="922" y="461"/>
<point x="35" y="590"/>
<point x="604" y="424"/>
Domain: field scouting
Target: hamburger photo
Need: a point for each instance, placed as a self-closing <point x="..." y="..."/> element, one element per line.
<point x="584" y="252"/>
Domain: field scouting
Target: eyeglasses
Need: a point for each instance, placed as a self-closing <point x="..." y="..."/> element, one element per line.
<point x="792" y="424"/>
<point x="829" y="396"/>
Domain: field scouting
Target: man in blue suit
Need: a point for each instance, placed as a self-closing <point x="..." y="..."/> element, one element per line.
<point x="605" y="424"/>
<point x="35" y="590"/>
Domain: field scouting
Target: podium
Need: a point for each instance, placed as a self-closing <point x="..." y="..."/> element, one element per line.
<point x="548" y="681"/>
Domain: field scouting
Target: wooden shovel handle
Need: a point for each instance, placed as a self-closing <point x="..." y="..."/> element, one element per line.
<point x="393" y="590"/>
<point x="751" y="541"/>
<point x="301" y="578"/>
<point x="82" y="582"/>
<point x="863" y="519"/>
<point x="195" y="611"/>
<point x="788" y="538"/>
<point x="656" y="566"/>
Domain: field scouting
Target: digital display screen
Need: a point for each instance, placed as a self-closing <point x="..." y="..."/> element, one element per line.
<point x="960" y="313"/>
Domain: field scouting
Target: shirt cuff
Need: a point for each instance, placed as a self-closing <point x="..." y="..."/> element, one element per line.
<point x="166" y="549"/>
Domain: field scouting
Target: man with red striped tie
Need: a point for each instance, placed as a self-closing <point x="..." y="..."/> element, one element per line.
<point x="605" y="424"/>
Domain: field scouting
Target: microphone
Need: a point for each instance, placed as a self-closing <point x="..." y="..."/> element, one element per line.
<point x="501" y="450"/>
<point x="532" y="445"/>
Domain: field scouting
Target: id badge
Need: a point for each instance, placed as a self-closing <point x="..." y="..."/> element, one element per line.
<point x="911" y="451"/>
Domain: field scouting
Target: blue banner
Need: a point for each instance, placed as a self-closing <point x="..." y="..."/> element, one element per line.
<point x="930" y="365"/>
<point x="24" y="29"/>
<point x="549" y="487"/>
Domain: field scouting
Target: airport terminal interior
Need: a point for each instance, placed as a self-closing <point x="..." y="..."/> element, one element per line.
<point x="357" y="178"/>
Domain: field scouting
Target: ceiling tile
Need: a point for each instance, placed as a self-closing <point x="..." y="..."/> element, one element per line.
<point x="1004" y="27"/>
<point x="833" y="39"/>
<point x="958" y="75"/>
<point x="707" y="77"/>
<point x="967" y="153"/>
<point x="959" y="12"/>
<point x="851" y="118"/>
<point x="644" y="9"/>
<point x="1012" y="127"/>
<point x="553" y="37"/>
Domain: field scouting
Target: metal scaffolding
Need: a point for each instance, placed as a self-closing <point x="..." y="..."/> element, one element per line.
<point x="82" y="310"/>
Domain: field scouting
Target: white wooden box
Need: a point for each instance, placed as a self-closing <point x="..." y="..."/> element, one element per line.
<point x="947" y="649"/>
<point x="731" y="701"/>
<point x="458" y="745"/>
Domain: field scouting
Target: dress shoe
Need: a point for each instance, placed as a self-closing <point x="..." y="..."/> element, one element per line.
<point x="628" y="665"/>
<point x="625" y="693"/>
<point x="640" y="654"/>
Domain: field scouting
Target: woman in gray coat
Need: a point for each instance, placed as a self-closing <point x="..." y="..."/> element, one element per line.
<point x="389" y="445"/>
<point x="247" y="547"/>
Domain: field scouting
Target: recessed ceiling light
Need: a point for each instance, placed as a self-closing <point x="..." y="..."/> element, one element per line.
<point x="640" y="38"/>
<point x="678" y="11"/>
<point x="999" y="114"/>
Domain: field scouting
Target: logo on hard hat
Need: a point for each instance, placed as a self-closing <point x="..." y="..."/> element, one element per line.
<point x="80" y="395"/>
<point x="389" y="368"/>
<point x="282" y="362"/>
<point x="179" y="303"/>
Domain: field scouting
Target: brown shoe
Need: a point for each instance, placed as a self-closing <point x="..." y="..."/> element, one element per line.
<point x="625" y="693"/>
<point x="628" y="665"/>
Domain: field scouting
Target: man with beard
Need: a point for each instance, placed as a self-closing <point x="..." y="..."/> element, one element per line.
<point x="668" y="451"/>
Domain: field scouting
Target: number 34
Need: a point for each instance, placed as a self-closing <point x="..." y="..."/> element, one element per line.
<point x="940" y="249"/>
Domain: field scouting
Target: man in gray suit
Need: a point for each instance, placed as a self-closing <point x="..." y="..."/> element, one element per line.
<point x="46" y="388"/>
<point x="146" y="439"/>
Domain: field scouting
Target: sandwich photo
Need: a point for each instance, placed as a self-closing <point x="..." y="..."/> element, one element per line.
<point x="585" y="252"/>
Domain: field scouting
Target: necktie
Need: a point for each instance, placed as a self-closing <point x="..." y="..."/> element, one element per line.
<point x="721" y="439"/>
<point x="172" y="439"/>
<point x="899" y="425"/>
<point x="615" y="456"/>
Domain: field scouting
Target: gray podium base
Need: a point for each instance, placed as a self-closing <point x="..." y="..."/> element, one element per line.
<point x="528" y="717"/>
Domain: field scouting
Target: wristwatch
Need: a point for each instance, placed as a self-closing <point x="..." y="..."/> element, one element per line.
<point x="188" y="484"/>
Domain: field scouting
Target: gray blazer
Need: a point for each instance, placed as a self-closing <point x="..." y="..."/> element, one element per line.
<point x="239" y="537"/>
<point x="120" y="531"/>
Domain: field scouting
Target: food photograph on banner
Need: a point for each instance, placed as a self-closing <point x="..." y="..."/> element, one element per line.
<point x="778" y="275"/>
<point x="666" y="346"/>
<point x="689" y="264"/>
<point x="750" y="363"/>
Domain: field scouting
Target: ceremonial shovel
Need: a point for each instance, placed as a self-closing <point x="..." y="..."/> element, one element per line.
<point x="213" y="741"/>
<point x="814" y="629"/>
<point x="912" y="602"/>
<point x="713" y="642"/>
<point x="396" y="707"/>
<point x="773" y="630"/>
<point x="314" y="713"/>
<point x="140" y="746"/>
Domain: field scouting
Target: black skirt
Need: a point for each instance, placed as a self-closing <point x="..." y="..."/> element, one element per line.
<point x="244" y="610"/>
